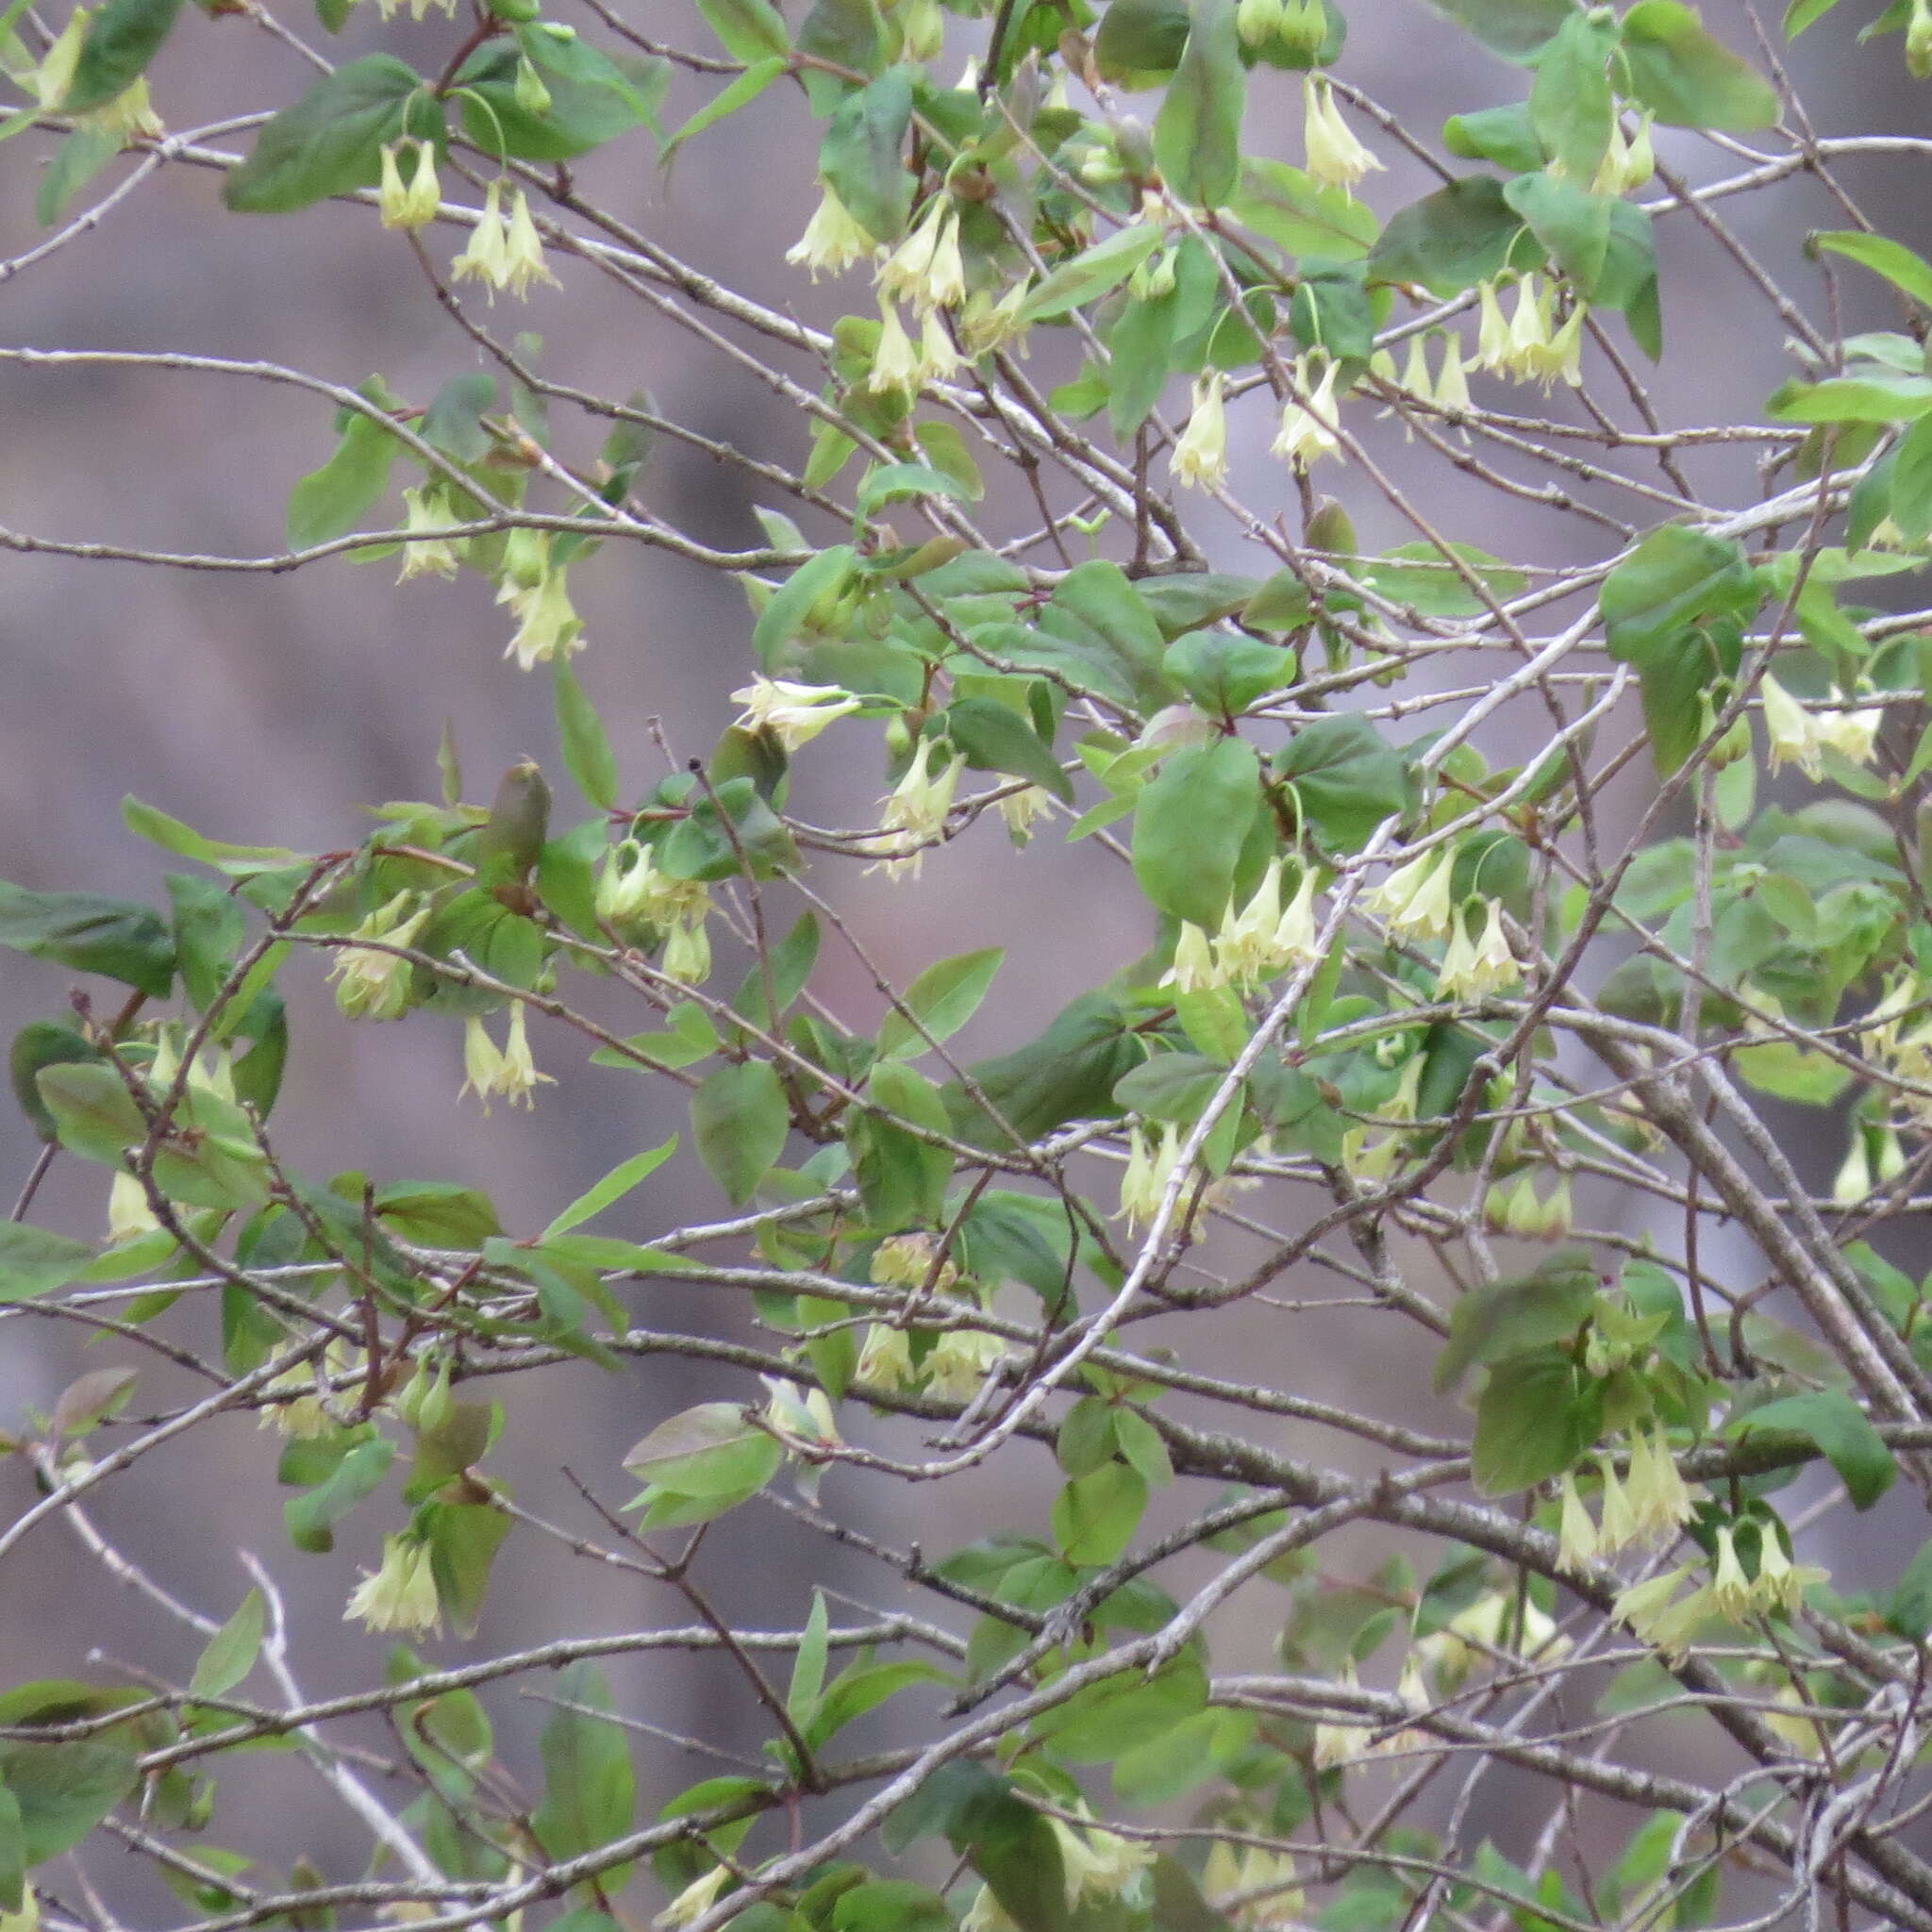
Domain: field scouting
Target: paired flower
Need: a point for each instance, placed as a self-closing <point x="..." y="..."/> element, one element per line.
<point x="1626" y="164"/>
<point x="1653" y="1611"/>
<point x="1875" y="1160"/>
<point x="1802" y="738"/>
<point x="1531" y="346"/>
<point x="794" y="713"/>
<point x="1516" y="1208"/>
<point x="1199" y="458"/>
<point x="1649" y="1504"/>
<point x="400" y="1595"/>
<point x="1256" y="1890"/>
<point x="373" y="983"/>
<point x="1334" y="157"/>
<point x="902" y="367"/>
<point x="1471" y="969"/>
<point x="503" y="251"/>
<point x="534" y="588"/>
<point x="906" y="1260"/>
<point x="414" y="203"/>
<point x="509" y="1072"/>
<point x="916" y="812"/>
<point x="1149" y="1169"/>
<point x="960" y="1362"/>
<point x="927" y="270"/>
<point x="1308" y="432"/>
<point x="1414" y="899"/>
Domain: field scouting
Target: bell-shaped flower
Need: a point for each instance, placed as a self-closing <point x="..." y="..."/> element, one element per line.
<point x="522" y="251"/>
<point x="1307" y="432"/>
<point x="1853" y="735"/>
<point x="1919" y="39"/>
<point x="1493" y="335"/>
<point x="1020" y="807"/>
<point x="694" y="1901"/>
<point x="896" y="367"/>
<point x="916" y="811"/>
<point x="926" y="270"/>
<point x="1245" y="951"/>
<point x="426" y="556"/>
<point x="401" y="1595"/>
<point x="414" y="203"/>
<point x="1621" y="1526"/>
<point x="373" y="983"/>
<point x="1578" y="1544"/>
<point x="1334" y="157"/>
<point x="1144" y="1179"/>
<point x="509" y="1071"/>
<point x="1473" y="969"/>
<point x="1730" y="1589"/>
<point x="486" y="255"/>
<point x="832" y="241"/>
<point x="884" y="1359"/>
<point x="1659" y="1497"/>
<point x="1794" y="732"/>
<point x="1297" y="942"/>
<point x="129" y="1212"/>
<point x="912" y="1262"/>
<point x="1195" y="968"/>
<point x="548" y="621"/>
<point x="1097" y="1864"/>
<point x="794" y="713"/>
<point x="688" y="950"/>
<point x="1451" y="384"/>
<point x="1257" y="20"/>
<point x="986" y="325"/>
<point x="960" y="1362"/>
<point x="1200" y="452"/>
<point x="1414" y="899"/>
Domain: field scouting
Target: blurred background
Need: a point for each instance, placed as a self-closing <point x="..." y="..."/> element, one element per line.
<point x="267" y="708"/>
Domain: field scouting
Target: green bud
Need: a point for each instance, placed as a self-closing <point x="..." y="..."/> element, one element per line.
<point x="519" y="821"/>
<point x="1330" y="531"/>
<point x="1135" y="147"/>
<point x="532" y="97"/>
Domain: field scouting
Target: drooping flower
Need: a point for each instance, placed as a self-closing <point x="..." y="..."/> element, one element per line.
<point x="1471" y="969"/>
<point x="695" y="1900"/>
<point x="884" y="1359"/>
<point x="1144" y="1179"/>
<point x="1576" y="1536"/>
<point x="1658" y="1499"/>
<point x="1414" y="899"/>
<point x="424" y="556"/>
<point x="1195" y="967"/>
<point x="1452" y="385"/>
<point x="1200" y="453"/>
<point x="926" y="270"/>
<point x="960" y="1362"/>
<point x="401" y="1595"/>
<point x="522" y="249"/>
<point x="1020" y="809"/>
<point x="1307" y="433"/>
<point x="916" y="812"/>
<point x="129" y="1214"/>
<point x="1254" y="1889"/>
<point x="832" y="241"/>
<point x="1096" y="1863"/>
<point x="373" y="983"/>
<point x="486" y="255"/>
<point x="547" y="621"/>
<point x="794" y="713"/>
<point x="507" y="1071"/>
<point x="1296" y="941"/>
<point x="1247" y="949"/>
<point x="906" y="1260"/>
<point x="1653" y="1611"/>
<point x="1334" y="157"/>
<point x="896" y="365"/>
<point x="413" y="204"/>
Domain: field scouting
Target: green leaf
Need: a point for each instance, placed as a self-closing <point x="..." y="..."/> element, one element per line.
<point x="1094" y="272"/>
<point x="1014" y="1850"/>
<point x="1094" y="1516"/>
<point x="1872" y="397"/>
<point x="90" y="934"/>
<point x="713" y="1450"/>
<point x="1570" y="103"/>
<point x="1346" y="780"/>
<point x="590" y="1790"/>
<point x="1569" y="221"/>
<point x="741" y="93"/>
<point x="1191" y="825"/>
<point x="1197" y="133"/>
<point x="1537" y="1414"/>
<point x="230" y="1654"/>
<point x="1503" y="135"/>
<point x="783" y="616"/>
<point x="1099" y="1723"/>
<point x="63" y="1790"/>
<point x="1516" y="29"/>
<point x="1301" y="215"/>
<point x="587" y="754"/>
<point x="121" y="40"/>
<point x="1225" y="672"/>
<point x="748" y="30"/>
<point x="1909" y="1613"/>
<point x="992" y="737"/>
<point x="614" y="1187"/>
<point x="862" y="158"/>
<point x="1420" y="575"/>
<point x="1687" y="79"/>
<point x="902" y="1177"/>
<point x="1839" y="1429"/>
<point x="942" y="998"/>
<point x="1910" y="274"/>
<point x="147" y="822"/>
<point x="330" y="143"/>
<point x="739" y="1121"/>
<point x="92" y="1111"/>
<point x="464" y="1541"/>
<point x="592" y="99"/>
<point x="1067" y="1073"/>
<point x="1451" y="240"/>
<point x="311" y="1517"/>
<point x="79" y="158"/>
<point x="331" y="501"/>
<point x="39" y="1044"/>
<point x="1513" y="1316"/>
<point x="1140" y="41"/>
<point x="32" y="1260"/>
<point x="809" y="1664"/>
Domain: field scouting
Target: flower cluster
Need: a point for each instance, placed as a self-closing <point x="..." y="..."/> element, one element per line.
<point x="1515" y="1208"/>
<point x="1253" y="946"/>
<point x="1802" y="738"/>
<point x="1655" y="1613"/>
<point x="1627" y="164"/>
<point x="1476" y="966"/>
<point x="412" y="203"/>
<point x="1255" y="1890"/>
<point x="401" y="1595"/>
<point x="1648" y="1506"/>
<point x="1530" y="346"/>
<point x="644" y="906"/>
<point x="793" y="713"/>
<point x="1096" y="1863"/>
<point x="1446" y="390"/>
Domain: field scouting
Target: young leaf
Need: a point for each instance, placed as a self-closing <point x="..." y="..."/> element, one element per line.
<point x="90" y="934"/>
<point x="738" y="1122"/>
<point x="590" y="1790"/>
<point x="1191" y="825"/>
<point x="587" y="754"/>
<point x="230" y="1653"/>
<point x="330" y="143"/>
<point x="943" y="998"/>
<point x="1197" y="133"/>
<point x="614" y="1187"/>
